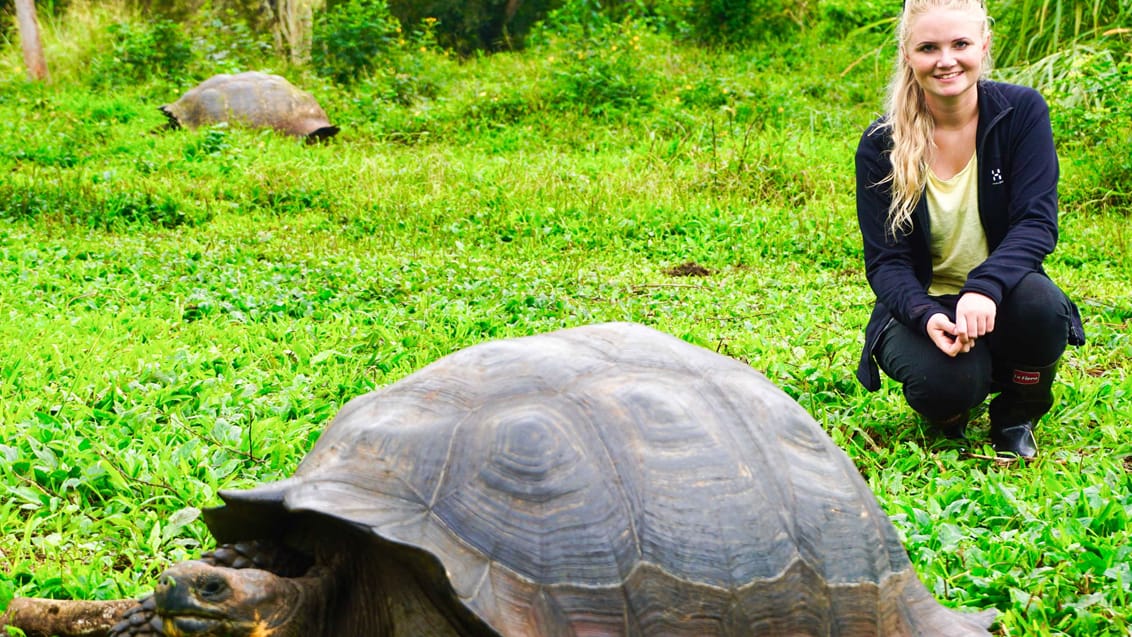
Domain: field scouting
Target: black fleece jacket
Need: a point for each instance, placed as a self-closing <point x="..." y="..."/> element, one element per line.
<point x="1017" y="182"/>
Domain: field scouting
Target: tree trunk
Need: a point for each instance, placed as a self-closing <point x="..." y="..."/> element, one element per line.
<point x="29" y="39"/>
<point x="64" y="618"/>
<point x="293" y="23"/>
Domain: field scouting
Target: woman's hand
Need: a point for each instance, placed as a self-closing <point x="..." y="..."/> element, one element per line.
<point x="974" y="317"/>
<point x="942" y="332"/>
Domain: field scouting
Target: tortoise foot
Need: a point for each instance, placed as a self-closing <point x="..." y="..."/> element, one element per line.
<point x="139" y="621"/>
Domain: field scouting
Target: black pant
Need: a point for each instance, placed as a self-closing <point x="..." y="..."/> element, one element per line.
<point x="1031" y="330"/>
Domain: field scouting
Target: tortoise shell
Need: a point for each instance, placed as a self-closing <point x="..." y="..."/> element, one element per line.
<point x="613" y="480"/>
<point x="253" y="99"/>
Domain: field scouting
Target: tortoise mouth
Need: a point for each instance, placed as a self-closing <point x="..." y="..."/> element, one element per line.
<point x="209" y="626"/>
<point x="178" y="625"/>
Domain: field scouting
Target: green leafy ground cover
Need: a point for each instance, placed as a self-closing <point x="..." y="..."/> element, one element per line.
<point x="182" y="312"/>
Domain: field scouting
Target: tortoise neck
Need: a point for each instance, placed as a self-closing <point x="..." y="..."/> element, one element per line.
<point x="365" y="586"/>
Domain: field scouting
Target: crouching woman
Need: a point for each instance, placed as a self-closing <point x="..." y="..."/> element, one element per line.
<point x="957" y="206"/>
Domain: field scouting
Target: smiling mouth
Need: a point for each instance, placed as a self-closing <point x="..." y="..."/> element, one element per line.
<point x="948" y="76"/>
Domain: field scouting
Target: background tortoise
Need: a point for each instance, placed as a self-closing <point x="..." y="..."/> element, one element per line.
<point x="603" y="480"/>
<point x="253" y="99"/>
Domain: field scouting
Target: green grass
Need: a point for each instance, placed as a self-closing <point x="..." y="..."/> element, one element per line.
<point x="182" y="312"/>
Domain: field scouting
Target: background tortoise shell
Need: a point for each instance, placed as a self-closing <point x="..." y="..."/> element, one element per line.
<point x="610" y="480"/>
<point x="254" y="99"/>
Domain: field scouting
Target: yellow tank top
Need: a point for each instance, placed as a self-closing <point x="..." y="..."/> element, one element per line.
<point x="958" y="242"/>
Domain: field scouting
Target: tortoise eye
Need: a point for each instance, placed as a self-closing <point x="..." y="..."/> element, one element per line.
<point x="213" y="588"/>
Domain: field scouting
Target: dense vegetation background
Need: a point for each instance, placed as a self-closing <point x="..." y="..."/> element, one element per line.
<point x="181" y="312"/>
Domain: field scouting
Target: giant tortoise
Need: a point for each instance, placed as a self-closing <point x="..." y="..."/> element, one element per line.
<point x="601" y="480"/>
<point x="254" y="99"/>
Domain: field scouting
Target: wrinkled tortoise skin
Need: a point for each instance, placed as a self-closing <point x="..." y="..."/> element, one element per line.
<point x="252" y="99"/>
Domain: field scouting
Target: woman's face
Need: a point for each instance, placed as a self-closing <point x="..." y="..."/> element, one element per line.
<point x="945" y="50"/>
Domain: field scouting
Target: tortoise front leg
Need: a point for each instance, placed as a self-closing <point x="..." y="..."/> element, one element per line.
<point x="140" y="621"/>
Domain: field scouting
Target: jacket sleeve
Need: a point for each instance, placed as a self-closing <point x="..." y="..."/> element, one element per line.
<point x="1031" y="214"/>
<point x="890" y="264"/>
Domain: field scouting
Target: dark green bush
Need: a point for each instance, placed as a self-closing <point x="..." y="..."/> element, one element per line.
<point x="737" y="23"/>
<point x="352" y="38"/>
<point x="1091" y="112"/>
<point x="141" y="52"/>
<point x="227" y="43"/>
<point x="359" y="43"/>
<point x="576" y="18"/>
<point x="840" y="17"/>
<point x="598" y="62"/>
<point x="257" y="13"/>
<point x="602" y="74"/>
<point x="472" y="25"/>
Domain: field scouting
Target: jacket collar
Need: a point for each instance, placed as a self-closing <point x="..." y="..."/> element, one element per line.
<point x="993" y="106"/>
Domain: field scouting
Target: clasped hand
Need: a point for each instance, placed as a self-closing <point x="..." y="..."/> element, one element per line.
<point x="974" y="317"/>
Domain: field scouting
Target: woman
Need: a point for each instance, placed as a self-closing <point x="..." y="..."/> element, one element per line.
<point x="957" y="204"/>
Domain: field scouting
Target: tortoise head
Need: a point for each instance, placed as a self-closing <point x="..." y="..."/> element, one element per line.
<point x="196" y="599"/>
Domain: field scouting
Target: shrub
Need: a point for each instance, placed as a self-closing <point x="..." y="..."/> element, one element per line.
<point x="1090" y="95"/>
<point x="359" y="43"/>
<point x="352" y="38"/>
<point x="141" y="52"/>
<point x="741" y="22"/>
<point x="598" y="64"/>
<point x="840" y="17"/>
<point x="470" y="25"/>
<point x="602" y="74"/>
<point x="227" y="43"/>
<point x="575" y="18"/>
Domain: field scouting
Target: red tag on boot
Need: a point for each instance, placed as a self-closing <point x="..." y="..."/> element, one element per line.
<point x="1026" y="377"/>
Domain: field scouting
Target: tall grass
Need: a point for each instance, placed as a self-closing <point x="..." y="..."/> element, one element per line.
<point x="70" y="39"/>
<point x="1030" y="30"/>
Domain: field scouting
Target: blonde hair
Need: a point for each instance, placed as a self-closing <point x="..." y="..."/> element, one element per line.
<point x="909" y="120"/>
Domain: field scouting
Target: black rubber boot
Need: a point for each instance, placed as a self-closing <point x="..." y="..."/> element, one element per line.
<point x="1027" y="394"/>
